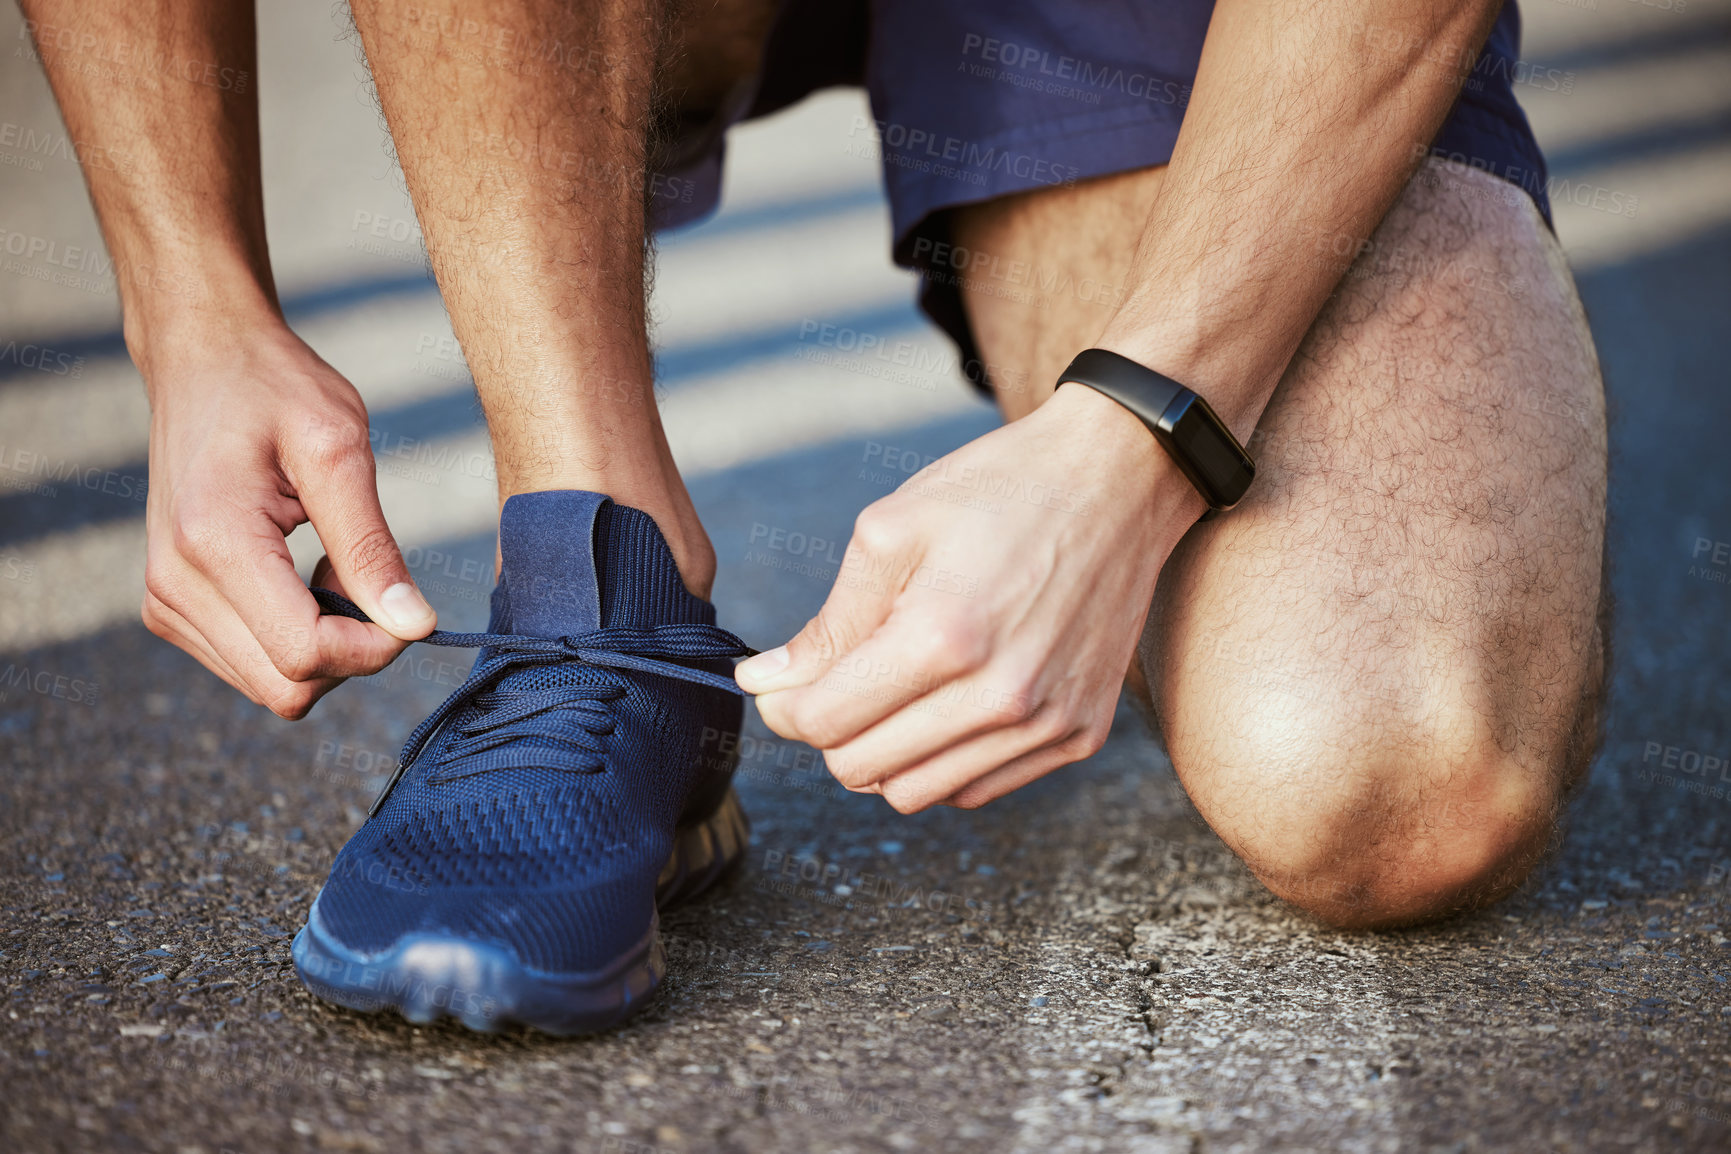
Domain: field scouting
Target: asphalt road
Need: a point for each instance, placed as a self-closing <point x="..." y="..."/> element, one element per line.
<point x="1081" y="966"/>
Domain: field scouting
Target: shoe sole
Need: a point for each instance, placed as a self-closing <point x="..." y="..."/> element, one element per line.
<point x="428" y="976"/>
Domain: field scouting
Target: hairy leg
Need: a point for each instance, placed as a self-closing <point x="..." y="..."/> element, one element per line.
<point x="1378" y="676"/>
<point x="523" y="127"/>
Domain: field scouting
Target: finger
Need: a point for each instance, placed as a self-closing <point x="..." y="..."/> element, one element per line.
<point x="173" y="628"/>
<point x="871" y="576"/>
<point x="342" y="500"/>
<point x="917" y="653"/>
<point x="947" y="740"/>
<point x="974" y="772"/>
<point x="232" y="579"/>
<point x="250" y="670"/>
<point x="977" y="772"/>
<point x="233" y="647"/>
<point x="847" y="617"/>
<point x="1005" y="779"/>
<point x="261" y="586"/>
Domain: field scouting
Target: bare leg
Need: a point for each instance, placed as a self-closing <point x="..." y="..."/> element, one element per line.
<point x="1378" y="675"/>
<point x="523" y="130"/>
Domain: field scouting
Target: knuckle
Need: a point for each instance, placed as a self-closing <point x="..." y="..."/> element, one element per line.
<point x="953" y="643"/>
<point x="1071" y="738"/>
<point x="1087" y="741"/>
<point x="903" y="800"/>
<point x="1016" y="695"/>
<point x="154" y="621"/>
<point x="970" y="798"/>
<point x="374" y="552"/>
<point x="292" y="651"/>
<point x="785" y="715"/>
<point x="334" y="441"/>
<point x="1048" y="727"/>
<point x="158" y="592"/>
<point x="297" y="665"/>
<point x="195" y="533"/>
<point x="807" y="721"/>
<point x="291" y="702"/>
<point x="823" y="636"/>
<point x="818" y="730"/>
<point x="877" y="530"/>
<point x="373" y="663"/>
<point x="850" y="772"/>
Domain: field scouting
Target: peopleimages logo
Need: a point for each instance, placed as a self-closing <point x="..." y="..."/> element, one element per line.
<point x="22" y="463"/>
<point x="78" y="258"/>
<point x="1042" y="62"/>
<point x="921" y="148"/>
<point x="1558" y="190"/>
<point x="1690" y="770"/>
<point x="41" y="358"/>
<point x="45" y="683"/>
<point x="62" y="40"/>
<point x="34" y="144"/>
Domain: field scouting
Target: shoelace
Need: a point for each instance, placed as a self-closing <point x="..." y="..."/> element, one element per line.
<point x="583" y="711"/>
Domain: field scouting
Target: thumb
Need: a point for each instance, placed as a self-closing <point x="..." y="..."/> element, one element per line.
<point x="852" y="612"/>
<point x="363" y="555"/>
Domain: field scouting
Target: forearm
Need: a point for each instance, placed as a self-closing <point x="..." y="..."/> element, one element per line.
<point x="1301" y="126"/>
<point x="169" y="86"/>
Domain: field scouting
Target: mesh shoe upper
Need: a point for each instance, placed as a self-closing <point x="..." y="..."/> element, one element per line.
<point x="540" y="810"/>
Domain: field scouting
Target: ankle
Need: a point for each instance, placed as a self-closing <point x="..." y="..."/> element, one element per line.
<point x="691" y="548"/>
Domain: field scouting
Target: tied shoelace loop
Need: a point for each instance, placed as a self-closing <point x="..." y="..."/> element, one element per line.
<point x="491" y="736"/>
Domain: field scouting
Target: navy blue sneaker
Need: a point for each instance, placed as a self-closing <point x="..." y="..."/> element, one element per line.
<point x="511" y="870"/>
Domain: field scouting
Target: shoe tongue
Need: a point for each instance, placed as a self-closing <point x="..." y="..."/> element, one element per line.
<point x="575" y="561"/>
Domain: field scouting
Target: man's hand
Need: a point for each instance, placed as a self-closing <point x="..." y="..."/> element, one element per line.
<point x="980" y="627"/>
<point x="251" y="433"/>
<point x="245" y="445"/>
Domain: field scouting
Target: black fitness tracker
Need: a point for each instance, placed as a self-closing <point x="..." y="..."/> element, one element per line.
<point x="1198" y="442"/>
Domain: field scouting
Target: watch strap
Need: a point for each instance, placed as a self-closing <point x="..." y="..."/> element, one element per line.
<point x="1137" y="387"/>
<point x="1196" y="440"/>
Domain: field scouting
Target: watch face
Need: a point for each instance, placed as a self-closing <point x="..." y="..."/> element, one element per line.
<point x="1219" y="467"/>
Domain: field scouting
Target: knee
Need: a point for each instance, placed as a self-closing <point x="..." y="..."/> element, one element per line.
<point x="1418" y="860"/>
<point x="1373" y="830"/>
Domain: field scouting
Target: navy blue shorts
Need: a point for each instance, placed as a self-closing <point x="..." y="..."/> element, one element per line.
<point x="975" y="99"/>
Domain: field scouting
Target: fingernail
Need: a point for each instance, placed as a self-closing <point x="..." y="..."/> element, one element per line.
<point x="405" y="606"/>
<point x="765" y="667"/>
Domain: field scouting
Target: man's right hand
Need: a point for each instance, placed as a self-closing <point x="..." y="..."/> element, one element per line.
<point x="251" y="435"/>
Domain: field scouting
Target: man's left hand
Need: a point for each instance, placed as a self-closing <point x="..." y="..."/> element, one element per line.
<point x="986" y="611"/>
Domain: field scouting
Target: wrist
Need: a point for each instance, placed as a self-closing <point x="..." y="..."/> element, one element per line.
<point x="1121" y="449"/>
<point x="179" y="326"/>
<point x="1235" y="376"/>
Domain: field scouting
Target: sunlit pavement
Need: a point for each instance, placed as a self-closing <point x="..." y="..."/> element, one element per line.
<point x="1080" y="966"/>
